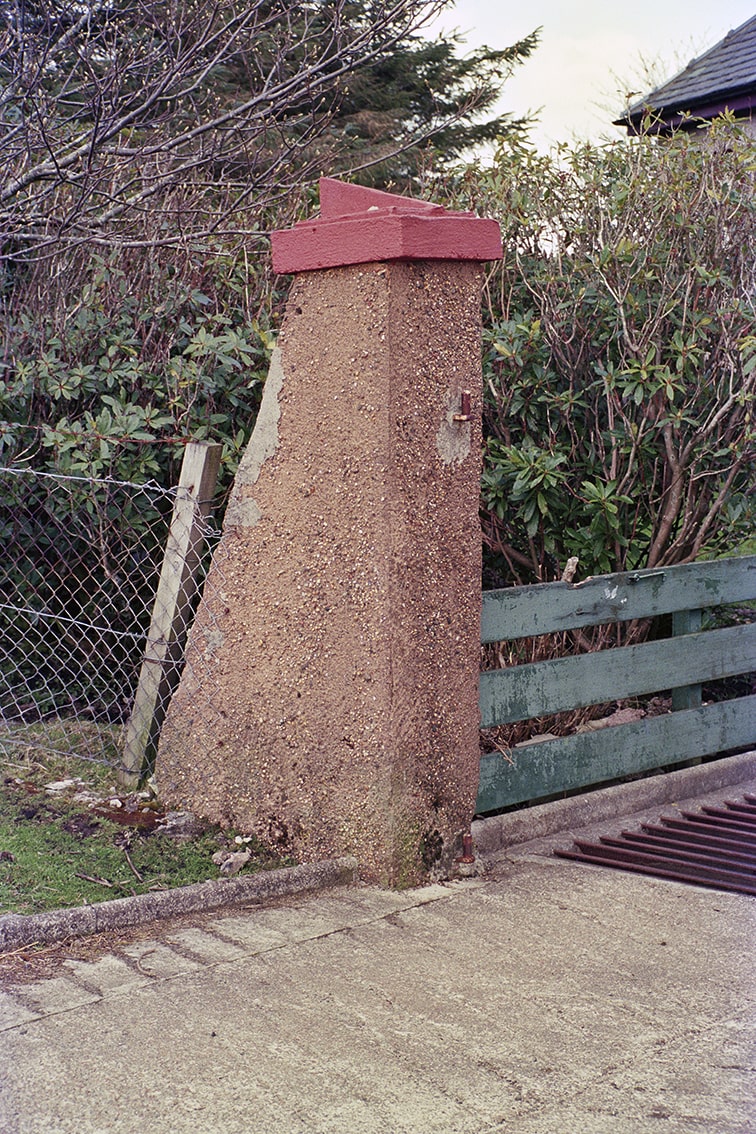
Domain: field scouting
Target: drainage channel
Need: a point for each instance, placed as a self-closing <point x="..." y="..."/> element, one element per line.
<point x="713" y="847"/>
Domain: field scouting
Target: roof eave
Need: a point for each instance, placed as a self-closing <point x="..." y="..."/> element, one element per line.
<point x="663" y="119"/>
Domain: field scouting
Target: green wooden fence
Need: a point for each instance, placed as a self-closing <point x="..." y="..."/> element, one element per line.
<point x="680" y="663"/>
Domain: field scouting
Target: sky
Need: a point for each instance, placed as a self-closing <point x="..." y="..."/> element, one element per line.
<point x="591" y="53"/>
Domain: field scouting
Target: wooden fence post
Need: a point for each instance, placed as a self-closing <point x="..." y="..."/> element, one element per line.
<point x="687" y="696"/>
<point x="172" y="608"/>
<point x="686" y="622"/>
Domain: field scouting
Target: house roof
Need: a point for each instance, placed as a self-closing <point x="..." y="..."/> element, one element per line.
<point x="724" y="77"/>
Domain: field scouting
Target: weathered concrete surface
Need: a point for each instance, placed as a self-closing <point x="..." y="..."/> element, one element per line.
<point x="553" y="998"/>
<point x="18" y="930"/>
<point x="330" y="701"/>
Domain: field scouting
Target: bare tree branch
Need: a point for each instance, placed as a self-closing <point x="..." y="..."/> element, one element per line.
<point x="106" y="110"/>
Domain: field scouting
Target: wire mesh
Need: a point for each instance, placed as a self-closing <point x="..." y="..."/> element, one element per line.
<point x="78" y="579"/>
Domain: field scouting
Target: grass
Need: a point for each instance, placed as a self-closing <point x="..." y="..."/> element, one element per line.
<point x="56" y="852"/>
<point x="62" y="747"/>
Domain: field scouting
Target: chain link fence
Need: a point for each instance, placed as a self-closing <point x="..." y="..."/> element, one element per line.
<point x="79" y="575"/>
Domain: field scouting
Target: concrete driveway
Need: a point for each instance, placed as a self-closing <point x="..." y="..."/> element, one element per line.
<point x="545" y="998"/>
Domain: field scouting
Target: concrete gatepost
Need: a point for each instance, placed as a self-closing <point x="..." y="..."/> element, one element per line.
<point x="330" y="703"/>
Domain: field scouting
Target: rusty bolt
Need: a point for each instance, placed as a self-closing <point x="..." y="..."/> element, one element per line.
<point x="465" y="414"/>
<point x="467" y="855"/>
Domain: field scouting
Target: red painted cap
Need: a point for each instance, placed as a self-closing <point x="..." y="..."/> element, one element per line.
<point x="361" y="226"/>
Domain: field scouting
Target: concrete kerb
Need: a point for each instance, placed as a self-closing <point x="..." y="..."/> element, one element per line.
<point x="502" y="831"/>
<point x="18" y="931"/>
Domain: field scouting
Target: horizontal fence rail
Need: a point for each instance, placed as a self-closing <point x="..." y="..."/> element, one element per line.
<point x="609" y="675"/>
<point x="680" y="664"/>
<point x="588" y="758"/>
<point x="546" y="608"/>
